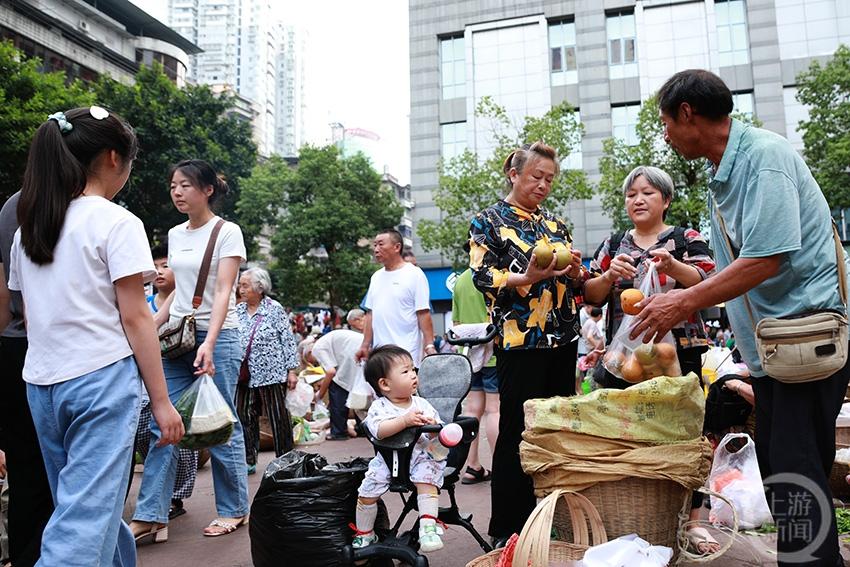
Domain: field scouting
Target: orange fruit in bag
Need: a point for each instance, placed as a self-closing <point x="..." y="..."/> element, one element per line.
<point x="629" y="299"/>
<point x="632" y="371"/>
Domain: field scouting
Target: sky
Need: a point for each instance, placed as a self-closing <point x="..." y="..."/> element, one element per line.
<point x="357" y="70"/>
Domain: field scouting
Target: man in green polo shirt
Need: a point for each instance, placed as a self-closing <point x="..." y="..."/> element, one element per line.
<point x="783" y="258"/>
<point x="483" y="399"/>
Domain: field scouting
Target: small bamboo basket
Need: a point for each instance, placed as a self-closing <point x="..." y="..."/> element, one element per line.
<point x="535" y="546"/>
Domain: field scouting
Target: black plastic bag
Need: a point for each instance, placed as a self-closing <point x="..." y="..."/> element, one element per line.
<point x="301" y="512"/>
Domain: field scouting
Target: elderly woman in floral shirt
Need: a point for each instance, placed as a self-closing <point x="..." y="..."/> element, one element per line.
<point x="269" y="363"/>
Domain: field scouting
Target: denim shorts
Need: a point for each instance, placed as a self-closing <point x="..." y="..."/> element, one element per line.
<point x="485" y="379"/>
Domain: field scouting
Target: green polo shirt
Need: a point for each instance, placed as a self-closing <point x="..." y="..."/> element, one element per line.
<point x="468" y="304"/>
<point x="772" y="205"/>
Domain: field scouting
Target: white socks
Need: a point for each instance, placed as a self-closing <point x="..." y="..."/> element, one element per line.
<point x="365" y="516"/>
<point x="428" y="506"/>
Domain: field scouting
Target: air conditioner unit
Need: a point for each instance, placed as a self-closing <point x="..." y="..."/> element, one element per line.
<point x="83" y="25"/>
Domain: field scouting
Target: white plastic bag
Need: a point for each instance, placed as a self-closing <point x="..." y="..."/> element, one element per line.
<point x="299" y="399"/>
<point x="320" y="412"/>
<point x="361" y="394"/>
<point x="627" y="551"/>
<point x="207" y="418"/>
<point x="633" y="361"/>
<point x="736" y="476"/>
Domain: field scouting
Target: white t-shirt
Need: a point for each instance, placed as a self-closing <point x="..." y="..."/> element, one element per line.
<point x="337" y="350"/>
<point x="73" y="323"/>
<point x="186" y="249"/>
<point x="591" y="330"/>
<point x="394" y="297"/>
<point x="583" y="316"/>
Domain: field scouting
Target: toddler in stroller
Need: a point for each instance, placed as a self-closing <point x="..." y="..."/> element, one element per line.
<point x="391" y="374"/>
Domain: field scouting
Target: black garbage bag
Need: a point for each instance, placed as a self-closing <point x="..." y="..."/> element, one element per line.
<point x="301" y="512"/>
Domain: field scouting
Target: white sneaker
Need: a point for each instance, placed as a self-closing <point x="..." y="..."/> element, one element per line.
<point x="429" y="538"/>
<point x="364" y="540"/>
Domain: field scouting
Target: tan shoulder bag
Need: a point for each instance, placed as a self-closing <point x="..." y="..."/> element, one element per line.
<point x="805" y="347"/>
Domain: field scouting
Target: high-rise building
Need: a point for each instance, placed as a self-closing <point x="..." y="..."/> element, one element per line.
<point x="86" y="39"/>
<point x="291" y="100"/>
<point x="240" y="39"/>
<point x="604" y="58"/>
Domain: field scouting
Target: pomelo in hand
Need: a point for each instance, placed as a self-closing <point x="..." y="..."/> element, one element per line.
<point x="629" y="299"/>
<point x="544" y="255"/>
<point x="563" y="255"/>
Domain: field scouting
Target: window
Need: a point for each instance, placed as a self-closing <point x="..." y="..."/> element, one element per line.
<point x="732" y="44"/>
<point x="622" y="58"/>
<point x="453" y="138"/>
<point x="453" y="68"/>
<point x="624" y="123"/>
<point x="743" y="103"/>
<point x="562" y="53"/>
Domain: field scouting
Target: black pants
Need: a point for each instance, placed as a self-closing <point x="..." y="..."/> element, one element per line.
<point x="795" y="433"/>
<point x="337" y="397"/>
<point x="523" y="375"/>
<point x="30" y="500"/>
<point x="250" y="403"/>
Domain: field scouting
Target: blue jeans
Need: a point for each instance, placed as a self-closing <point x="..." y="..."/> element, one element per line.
<point x="230" y="473"/>
<point x="85" y="428"/>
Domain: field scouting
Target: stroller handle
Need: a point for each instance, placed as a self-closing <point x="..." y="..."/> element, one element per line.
<point x="453" y="339"/>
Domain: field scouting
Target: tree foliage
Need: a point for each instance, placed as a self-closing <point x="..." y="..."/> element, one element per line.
<point x="690" y="203"/>
<point x="173" y="124"/>
<point x="469" y="182"/>
<point x="27" y="97"/>
<point x="825" y="90"/>
<point x="328" y="204"/>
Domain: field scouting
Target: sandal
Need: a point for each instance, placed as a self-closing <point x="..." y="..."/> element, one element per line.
<point x="478" y="475"/>
<point x="219" y="527"/>
<point x="701" y="541"/>
<point x="143" y="530"/>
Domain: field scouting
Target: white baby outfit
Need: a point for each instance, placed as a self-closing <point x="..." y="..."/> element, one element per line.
<point x="423" y="468"/>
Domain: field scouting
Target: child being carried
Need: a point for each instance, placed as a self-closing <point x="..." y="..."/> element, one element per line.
<point x="391" y="373"/>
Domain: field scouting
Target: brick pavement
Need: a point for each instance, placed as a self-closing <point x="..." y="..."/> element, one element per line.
<point x="187" y="547"/>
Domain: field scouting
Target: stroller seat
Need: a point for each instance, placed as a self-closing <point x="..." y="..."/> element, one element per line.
<point x="444" y="380"/>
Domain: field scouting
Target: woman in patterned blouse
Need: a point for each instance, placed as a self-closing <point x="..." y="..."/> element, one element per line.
<point x="271" y="365"/>
<point x="682" y="257"/>
<point x="535" y="311"/>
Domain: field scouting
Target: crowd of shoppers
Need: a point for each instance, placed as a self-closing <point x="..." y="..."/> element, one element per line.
<point x="79" y="382"/>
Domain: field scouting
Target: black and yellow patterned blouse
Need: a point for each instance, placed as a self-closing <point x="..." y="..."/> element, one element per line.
<point x="501" y="240"/>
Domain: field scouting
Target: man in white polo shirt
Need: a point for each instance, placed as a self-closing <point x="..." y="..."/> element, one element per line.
<point x="398" y="303"/>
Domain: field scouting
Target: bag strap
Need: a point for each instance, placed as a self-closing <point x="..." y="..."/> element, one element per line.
<point x="257" y="322"/>
<point x="204" y="272"/>
<point x="839" y="256"/>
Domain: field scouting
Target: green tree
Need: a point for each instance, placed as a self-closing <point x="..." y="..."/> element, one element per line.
<point x="469" y="183"/>
<point x="825" y="90"/>
<point x="173" y="124"/>
<point x="690" y="204"/>
<point x="324" y="213"/>
<point x="27" y="97"/>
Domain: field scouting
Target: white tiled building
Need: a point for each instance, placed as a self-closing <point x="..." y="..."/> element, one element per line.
<point x="604" y="58"/>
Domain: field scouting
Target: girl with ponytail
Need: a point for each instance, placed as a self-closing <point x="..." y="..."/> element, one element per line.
<point x="195" y="186"/>
<point x="80" y="263"/>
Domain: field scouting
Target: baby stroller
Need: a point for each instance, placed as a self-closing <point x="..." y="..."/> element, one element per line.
<point x="444" y="381"/>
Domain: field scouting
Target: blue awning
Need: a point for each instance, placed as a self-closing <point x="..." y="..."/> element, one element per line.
<point x="441" y="282"/>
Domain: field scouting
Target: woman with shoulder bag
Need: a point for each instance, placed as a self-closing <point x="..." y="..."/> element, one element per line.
<point x="683" y="260"/>
<point x="195" y="186"/>
<point x="269" y="365"/>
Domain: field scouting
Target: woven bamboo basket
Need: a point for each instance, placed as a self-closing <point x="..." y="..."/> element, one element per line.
<point x="647" y="507"/>
<point x="560" y="509"/>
